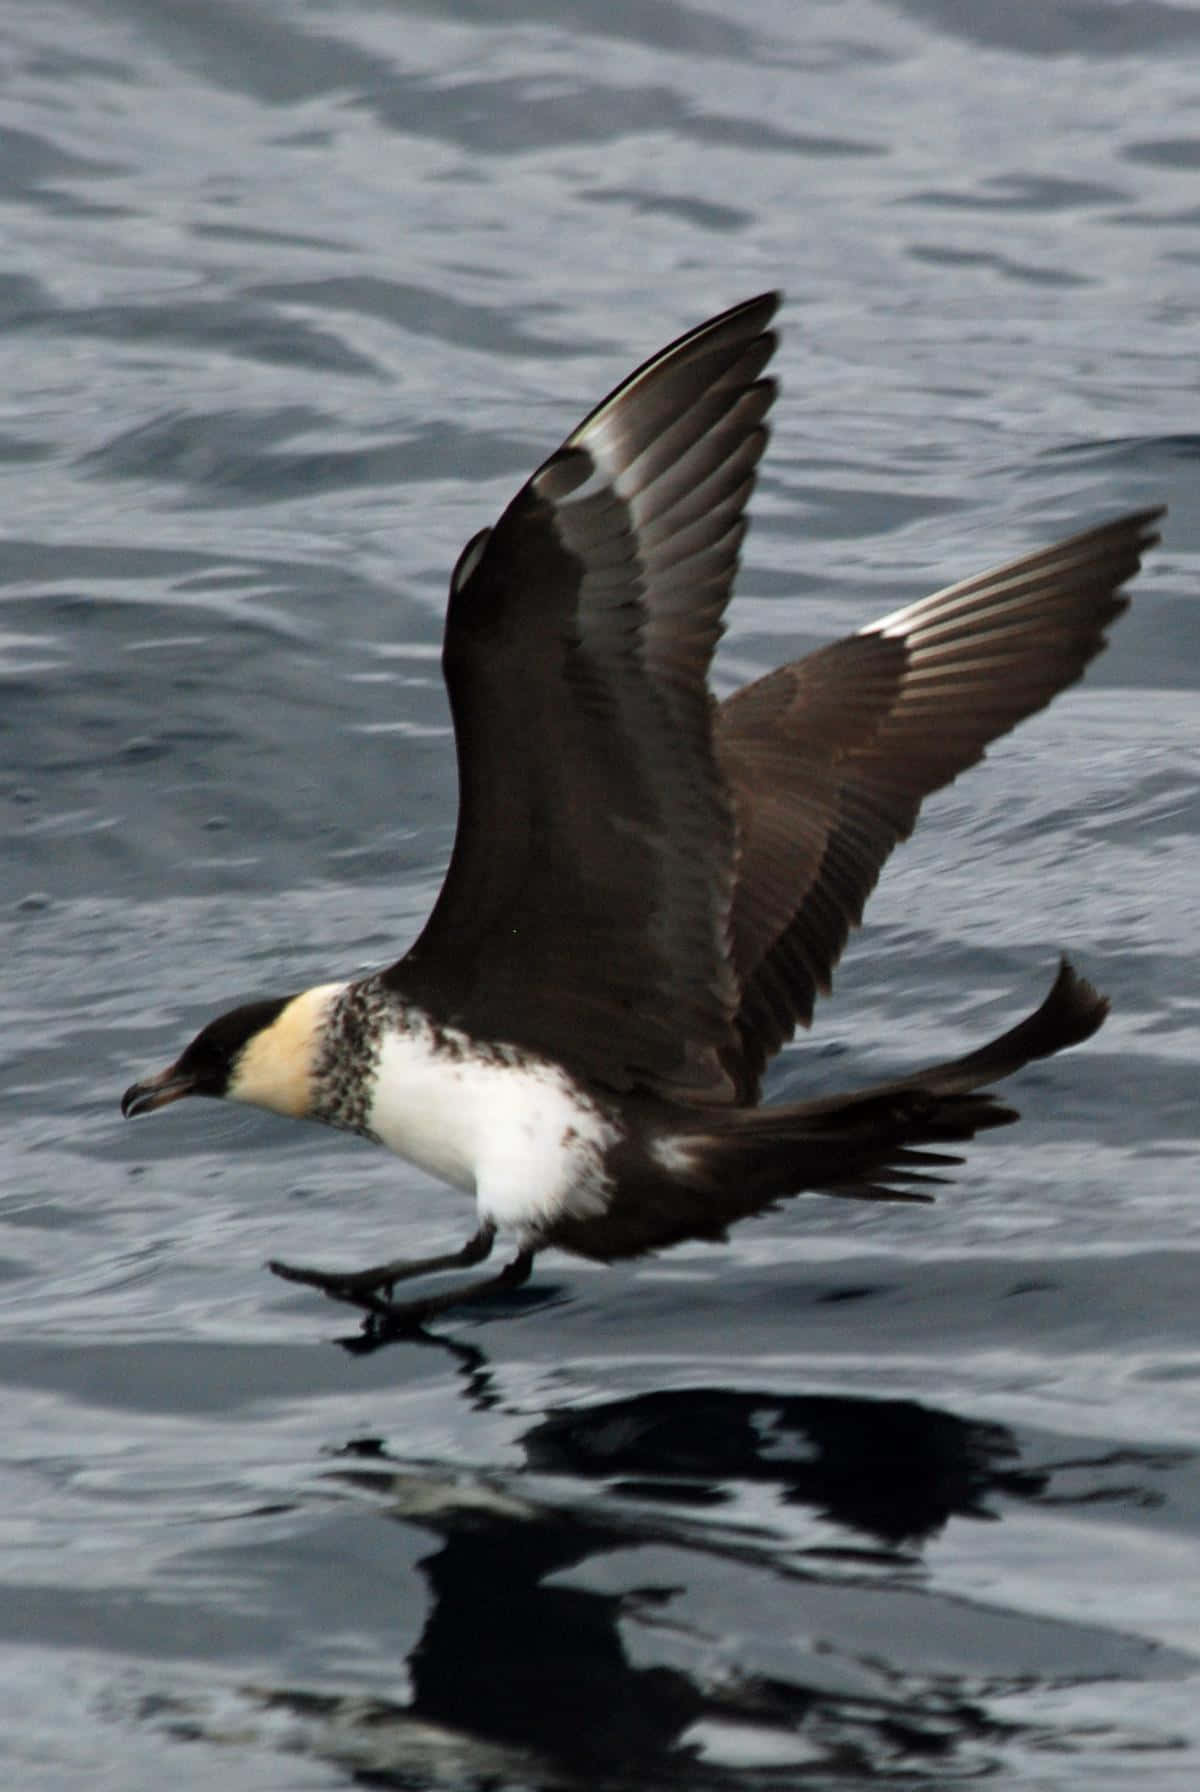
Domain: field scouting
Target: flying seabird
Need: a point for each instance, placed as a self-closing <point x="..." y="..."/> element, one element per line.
<point x="648" y="888"/>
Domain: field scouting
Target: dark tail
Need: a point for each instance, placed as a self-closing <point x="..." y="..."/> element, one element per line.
<point x="876" y="1145"/>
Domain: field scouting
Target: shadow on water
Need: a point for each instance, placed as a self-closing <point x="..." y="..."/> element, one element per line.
<point x="376" y="1334"/>
<point x="589" y="1619"/>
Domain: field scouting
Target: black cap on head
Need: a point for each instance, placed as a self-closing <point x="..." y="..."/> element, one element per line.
<point x="204" y="1067"/>
<point x="216" y="1048"/>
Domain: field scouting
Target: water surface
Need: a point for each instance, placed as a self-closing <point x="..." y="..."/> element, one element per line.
<point x="292" y="299"/>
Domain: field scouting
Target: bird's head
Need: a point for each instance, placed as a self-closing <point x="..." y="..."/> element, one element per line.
<point x="264" y="1053"/>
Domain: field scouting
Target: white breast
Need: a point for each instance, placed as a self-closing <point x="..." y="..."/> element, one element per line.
<point x="510" y="1129"/>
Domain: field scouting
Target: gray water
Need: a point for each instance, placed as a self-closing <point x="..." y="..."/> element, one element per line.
<point x="292" y="298"/>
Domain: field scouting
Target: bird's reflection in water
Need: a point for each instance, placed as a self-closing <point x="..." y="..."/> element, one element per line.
<point x="526" y="1674"/>
<point x="890" y="1470"/>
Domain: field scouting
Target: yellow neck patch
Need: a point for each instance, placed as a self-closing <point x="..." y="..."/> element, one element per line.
<point x="276" y="1068"/>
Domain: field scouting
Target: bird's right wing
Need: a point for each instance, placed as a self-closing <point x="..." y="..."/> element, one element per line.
<point x="829" y="759"/>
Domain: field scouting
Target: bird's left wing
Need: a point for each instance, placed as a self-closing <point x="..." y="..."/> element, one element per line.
<point x="585" y="912"/>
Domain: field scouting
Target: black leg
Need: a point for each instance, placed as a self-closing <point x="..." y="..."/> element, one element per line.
<point x="394" y="1318"/>
<point x="369" y="1288"/>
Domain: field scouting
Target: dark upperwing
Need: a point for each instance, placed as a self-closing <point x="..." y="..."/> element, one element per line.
<point x="585" y="912"/>
<point x="649" y="888"/>
<point x="830" y="758"/>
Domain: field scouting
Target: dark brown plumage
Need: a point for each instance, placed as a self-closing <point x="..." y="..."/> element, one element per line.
<point x="645" y="886"/>
<point x="648" y="890"/>
<point x="830" y="758"/>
